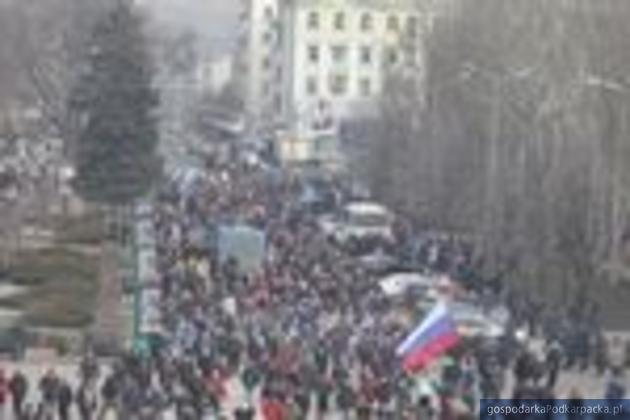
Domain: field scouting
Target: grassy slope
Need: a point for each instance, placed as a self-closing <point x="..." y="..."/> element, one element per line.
<point x="62" y="287"/>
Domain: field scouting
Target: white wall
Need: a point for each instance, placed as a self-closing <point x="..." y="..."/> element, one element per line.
<point x="216" y="74"/>
<point x="299" y="108"/>
<point x="379" y="39"/>
<point x="259" y="46"/>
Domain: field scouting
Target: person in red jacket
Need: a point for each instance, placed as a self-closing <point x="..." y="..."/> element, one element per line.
<point x="273" y="408"/>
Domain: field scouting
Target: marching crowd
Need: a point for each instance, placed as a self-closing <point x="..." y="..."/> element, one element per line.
<point x="311" y="333"/>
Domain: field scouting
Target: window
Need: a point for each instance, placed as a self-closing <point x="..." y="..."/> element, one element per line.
<point x="268" y="13"/>
<point x="412" y="26"/>
<point x="313" y="20"/>
<point x="339" y="53"/>
<point x="338" y="84"/>
<point x="311" y="86"/>
<point x="266" y="88"/>
<point x="392" y="23"/>
<point x="365" y="87"/>
<point x="277" y="103"/>
<point x="323" y="119"/>
<point x="392" y="56"/>
<point x="243" y="15"/>
<point x="411" y="56"/>
<point x="318" y="142"/>
<point x="366" y="55"/>
<point x="313" y="53"/>
<point x="267" y="37"/>
<point x="366" y="22"/>
<point x="266" y="63"/>
<point x="340" y="21"/>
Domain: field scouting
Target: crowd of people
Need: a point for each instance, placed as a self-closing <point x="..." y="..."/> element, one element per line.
<point x="57" y="395"/>
<point x="310" y="332"/>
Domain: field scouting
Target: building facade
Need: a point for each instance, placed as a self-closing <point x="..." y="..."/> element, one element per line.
<point x="337" y="54"/>
<point x="315" y="63"/>
<point x="257" y="69"/>
<point x="215" y="73"/>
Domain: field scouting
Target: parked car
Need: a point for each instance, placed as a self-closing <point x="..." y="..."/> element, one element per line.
<point x="379" y="262"/>
<point x="399" y="283"/>
<point x="472" y="321"/>
<point x="421" y="289"/>
<point x="359" y="220"/>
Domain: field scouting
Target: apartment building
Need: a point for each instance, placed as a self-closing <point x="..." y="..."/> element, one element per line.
<point x="310" y="64"/>
<point x="257" y="69"/>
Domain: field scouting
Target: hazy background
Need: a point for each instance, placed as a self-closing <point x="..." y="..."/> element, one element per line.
<point x="213" y="20"/>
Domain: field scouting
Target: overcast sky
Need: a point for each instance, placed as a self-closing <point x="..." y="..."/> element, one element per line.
<point x="214" y="20"/>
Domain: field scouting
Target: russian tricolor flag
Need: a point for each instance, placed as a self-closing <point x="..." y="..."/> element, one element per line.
<point x="433" y="337"/>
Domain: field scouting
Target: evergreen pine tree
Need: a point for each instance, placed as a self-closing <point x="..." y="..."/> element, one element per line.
<point x="115" y="154"/>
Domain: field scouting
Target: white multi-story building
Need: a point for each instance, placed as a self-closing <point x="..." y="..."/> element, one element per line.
<point x="338" y="53"/>
<point x="314" y="63"/>
<point x="257" y="64"/>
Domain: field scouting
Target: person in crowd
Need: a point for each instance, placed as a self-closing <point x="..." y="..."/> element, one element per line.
<point x="4" y="392"/>
<point x="553" y="363"/>
<point x="250" y="378"/>
<point x="28" y="412"/>
<point x="602" y="354"/>
<point x="244" y="412"/>
<point x="273" y="408"/>
<point x="345" y="398"/>
<point x="18" y="386"/>
<point x="424" y="409"/>
<point x="89" y="367"/>
<point x="109" y="395"/>
<point x="49" y="389"/>
<point x="87" y="400"/>
<point x="626" y="355"/>
<point x="64" y="400"/>
<point x="615" y="388"/>
<point x="311" y="323"/>
<point x="215" y="384"/>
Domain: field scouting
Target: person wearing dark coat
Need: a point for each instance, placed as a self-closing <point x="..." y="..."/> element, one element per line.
<point x="18" y="386"/>
<point x="64" y="400"/>
<point x="244" y="412"/>
<point x="86" y="401"/>
<point x="109" y="395"/>
<point x="553" y="363"/>
<point x="49" y="388"/>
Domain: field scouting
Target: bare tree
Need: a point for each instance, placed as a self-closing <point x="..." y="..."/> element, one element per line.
<point x="45" y="41"/>
<point x="523" y="136"/>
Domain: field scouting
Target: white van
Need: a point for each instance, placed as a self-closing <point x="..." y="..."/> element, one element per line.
<point x="359" y="220"/>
